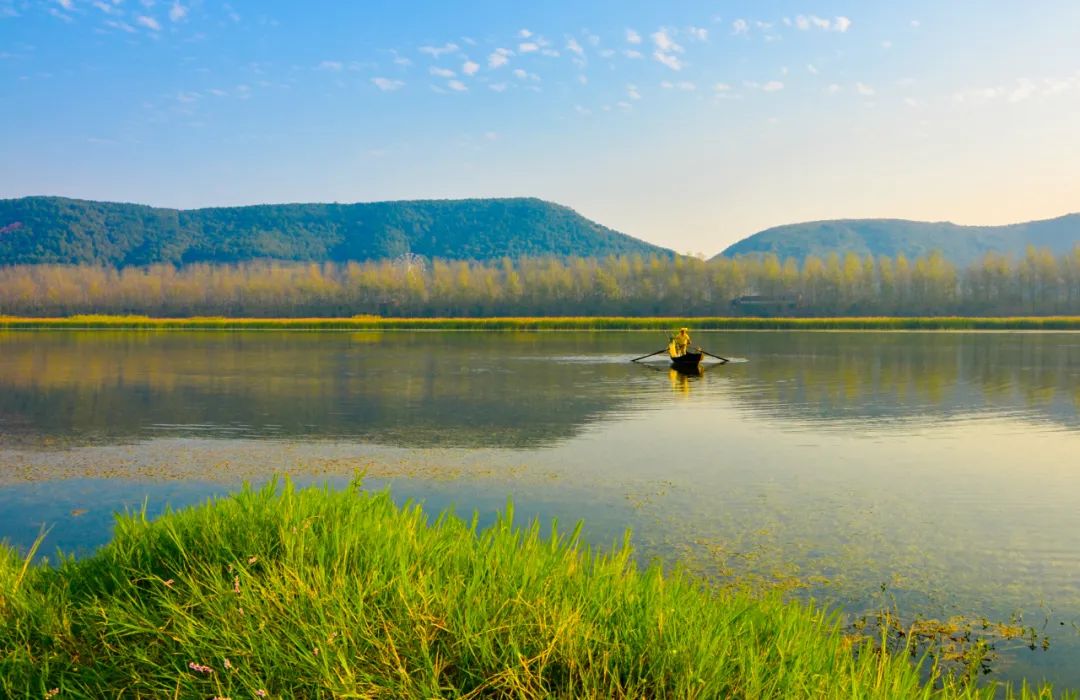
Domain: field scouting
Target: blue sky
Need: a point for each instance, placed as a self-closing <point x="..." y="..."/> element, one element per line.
<point x="690" y="124"/>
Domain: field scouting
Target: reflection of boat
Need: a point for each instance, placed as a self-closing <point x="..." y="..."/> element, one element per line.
<point x="688" y="362"/>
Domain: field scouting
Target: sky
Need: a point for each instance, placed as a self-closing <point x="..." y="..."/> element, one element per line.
<point x="689" y="124"/>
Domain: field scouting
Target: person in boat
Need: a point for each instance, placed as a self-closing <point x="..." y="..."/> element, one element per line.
<point x="680" y="343"/>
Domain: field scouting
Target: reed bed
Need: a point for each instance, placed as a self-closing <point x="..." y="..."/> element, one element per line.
<point x="958" y="323"/>
<point x="313" y="593"/>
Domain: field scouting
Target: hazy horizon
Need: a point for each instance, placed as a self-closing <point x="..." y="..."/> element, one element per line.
<point x="690" y="127"/>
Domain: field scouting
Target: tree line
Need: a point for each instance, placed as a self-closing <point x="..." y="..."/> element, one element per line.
<point x="634" y="285"/>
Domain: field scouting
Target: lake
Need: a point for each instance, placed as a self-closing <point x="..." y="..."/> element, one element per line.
<point x="937" y="474"/>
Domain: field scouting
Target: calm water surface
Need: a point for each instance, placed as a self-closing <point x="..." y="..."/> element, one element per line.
<point x="935" y="472"/>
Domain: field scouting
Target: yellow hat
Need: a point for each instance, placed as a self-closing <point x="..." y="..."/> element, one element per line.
<point x="684" y="329"/>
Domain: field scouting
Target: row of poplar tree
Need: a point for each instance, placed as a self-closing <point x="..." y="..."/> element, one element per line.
<point x="1039" y="283"/>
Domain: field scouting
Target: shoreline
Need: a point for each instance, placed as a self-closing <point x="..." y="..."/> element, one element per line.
<point x="552" y="323"/>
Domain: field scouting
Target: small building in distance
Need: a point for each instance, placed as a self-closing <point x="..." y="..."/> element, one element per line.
<point x="763" y="305"/>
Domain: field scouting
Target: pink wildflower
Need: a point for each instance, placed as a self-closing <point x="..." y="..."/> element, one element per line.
<point x="261" y="693"/>
<point x="199" y="668"/>
<point x="169" y="583"/>
<point x="252" y="559"/>
<point x="236" y="584"/>
<point x="228" y="664"/>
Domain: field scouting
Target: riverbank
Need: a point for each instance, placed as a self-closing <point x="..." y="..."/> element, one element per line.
<point x="281" y="592"/>
<point x="367" y="323"/>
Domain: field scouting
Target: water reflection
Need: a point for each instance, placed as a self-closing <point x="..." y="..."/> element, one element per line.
<point x="504" y="390"/>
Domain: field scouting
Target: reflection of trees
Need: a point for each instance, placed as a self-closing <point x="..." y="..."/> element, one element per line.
<point x="499" y="389"/>
<point x="448" y="389"/>
<point x="836" y="377"/>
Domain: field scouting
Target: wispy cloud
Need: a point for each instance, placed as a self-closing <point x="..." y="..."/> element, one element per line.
<point x="808" y="22"/>
<point x="441" y="72"/>
<point x="499" y="57"/>
<point x="772" y="86"/>
<point x="632" y="92"/>
<point x="177" y="12"/>
<point x="436" y="51"/>
<point x="633" y="37"/>
<point x="740" y="26"/>
<point x="666" y="49"/>
<point x="148" y="22"/>
<point x="865" y="90"/>
<point x="684" y="85"/>
<point x="387" y="84"/>
<point x="522" y="74"/>
<point x="470" y="68"/>
<point x="528" y="47"/>
<point x="333" y="66"/>
<point x="698" y="33"/>
<point x="457" y="86"/>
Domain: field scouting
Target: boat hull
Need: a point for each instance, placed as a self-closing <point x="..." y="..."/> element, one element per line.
<point x="690" y="362"/>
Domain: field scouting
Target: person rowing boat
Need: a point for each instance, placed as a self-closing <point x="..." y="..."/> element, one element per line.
<point x="679" y="344"/>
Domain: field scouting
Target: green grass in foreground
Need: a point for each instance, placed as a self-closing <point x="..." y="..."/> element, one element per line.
<point x="314" y="593"/>
<point x="550" y="323"/>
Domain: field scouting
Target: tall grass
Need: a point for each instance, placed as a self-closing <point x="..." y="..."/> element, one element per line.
<point x="547" y="323"/>
<point x="317" y="594"/>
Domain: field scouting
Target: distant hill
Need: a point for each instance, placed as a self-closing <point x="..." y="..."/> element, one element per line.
<point x="59" y="230"/>
<point x="960" y="244"/>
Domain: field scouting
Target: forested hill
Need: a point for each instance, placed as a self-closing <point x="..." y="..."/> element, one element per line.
<point x="59" y="230"/>
<point x="960" y="244"/>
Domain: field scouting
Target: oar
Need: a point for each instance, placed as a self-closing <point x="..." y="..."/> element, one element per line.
<point x="722" y="359"/>
<point x="649" y="355"/>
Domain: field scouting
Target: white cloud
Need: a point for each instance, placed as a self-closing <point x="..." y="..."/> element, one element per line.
<point x="632" y="92"/>
<point x="524" y="34"/>
<point x="582" y="110"/>
<point x="740" y="26"/>
<point x="498" y="87"/>
<point x="669" y="60"/>
<point x="525" y="75"/>
<point x="387" y="85"/>
<point x="107" y="8"/>
<point x="177" y="12"/>
<point x="666" y="48"/>
<point x="457" y="86"/>
<point x="805" y="23"/>
<point x="887" y="44"/>
<point x="330" y="66"/>
<point x="772" y="86"/>
<point x="685" y="85"/>
<point x="66" y="4"/>
<point x="665" y="43"/>
<point x="470" y="68"/>
<point x="593" y="40"/>
<point x="698" y="33"/>
<point x="811" y="69"/>
<point x="401" y="60"/>
<point x="442" y="72"/>
<point x="492" y="135"/>
<point x="915" y="24"/>
<point x="574" y="47"/>
<point x="864" y="89"/>
<point x="722" y="87"/>
<point x="436" y="51"/>
<point x="583" y="79"/>
<point x="187" y="97"/>
<point x="528" y="47"/>
<point x="631" y="53"/>
<point x="499" y="57"/>
<point x="148" y="22"/>
<point x="632" y="37"/>
<point x="833" y="89"/>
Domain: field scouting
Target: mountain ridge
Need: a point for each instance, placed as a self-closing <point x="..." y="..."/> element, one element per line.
<point x="45" y="229"/>
<point x="961" y="244"/>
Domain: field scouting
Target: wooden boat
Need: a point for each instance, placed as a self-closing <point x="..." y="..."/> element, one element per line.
<point x="688" y="362"/>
